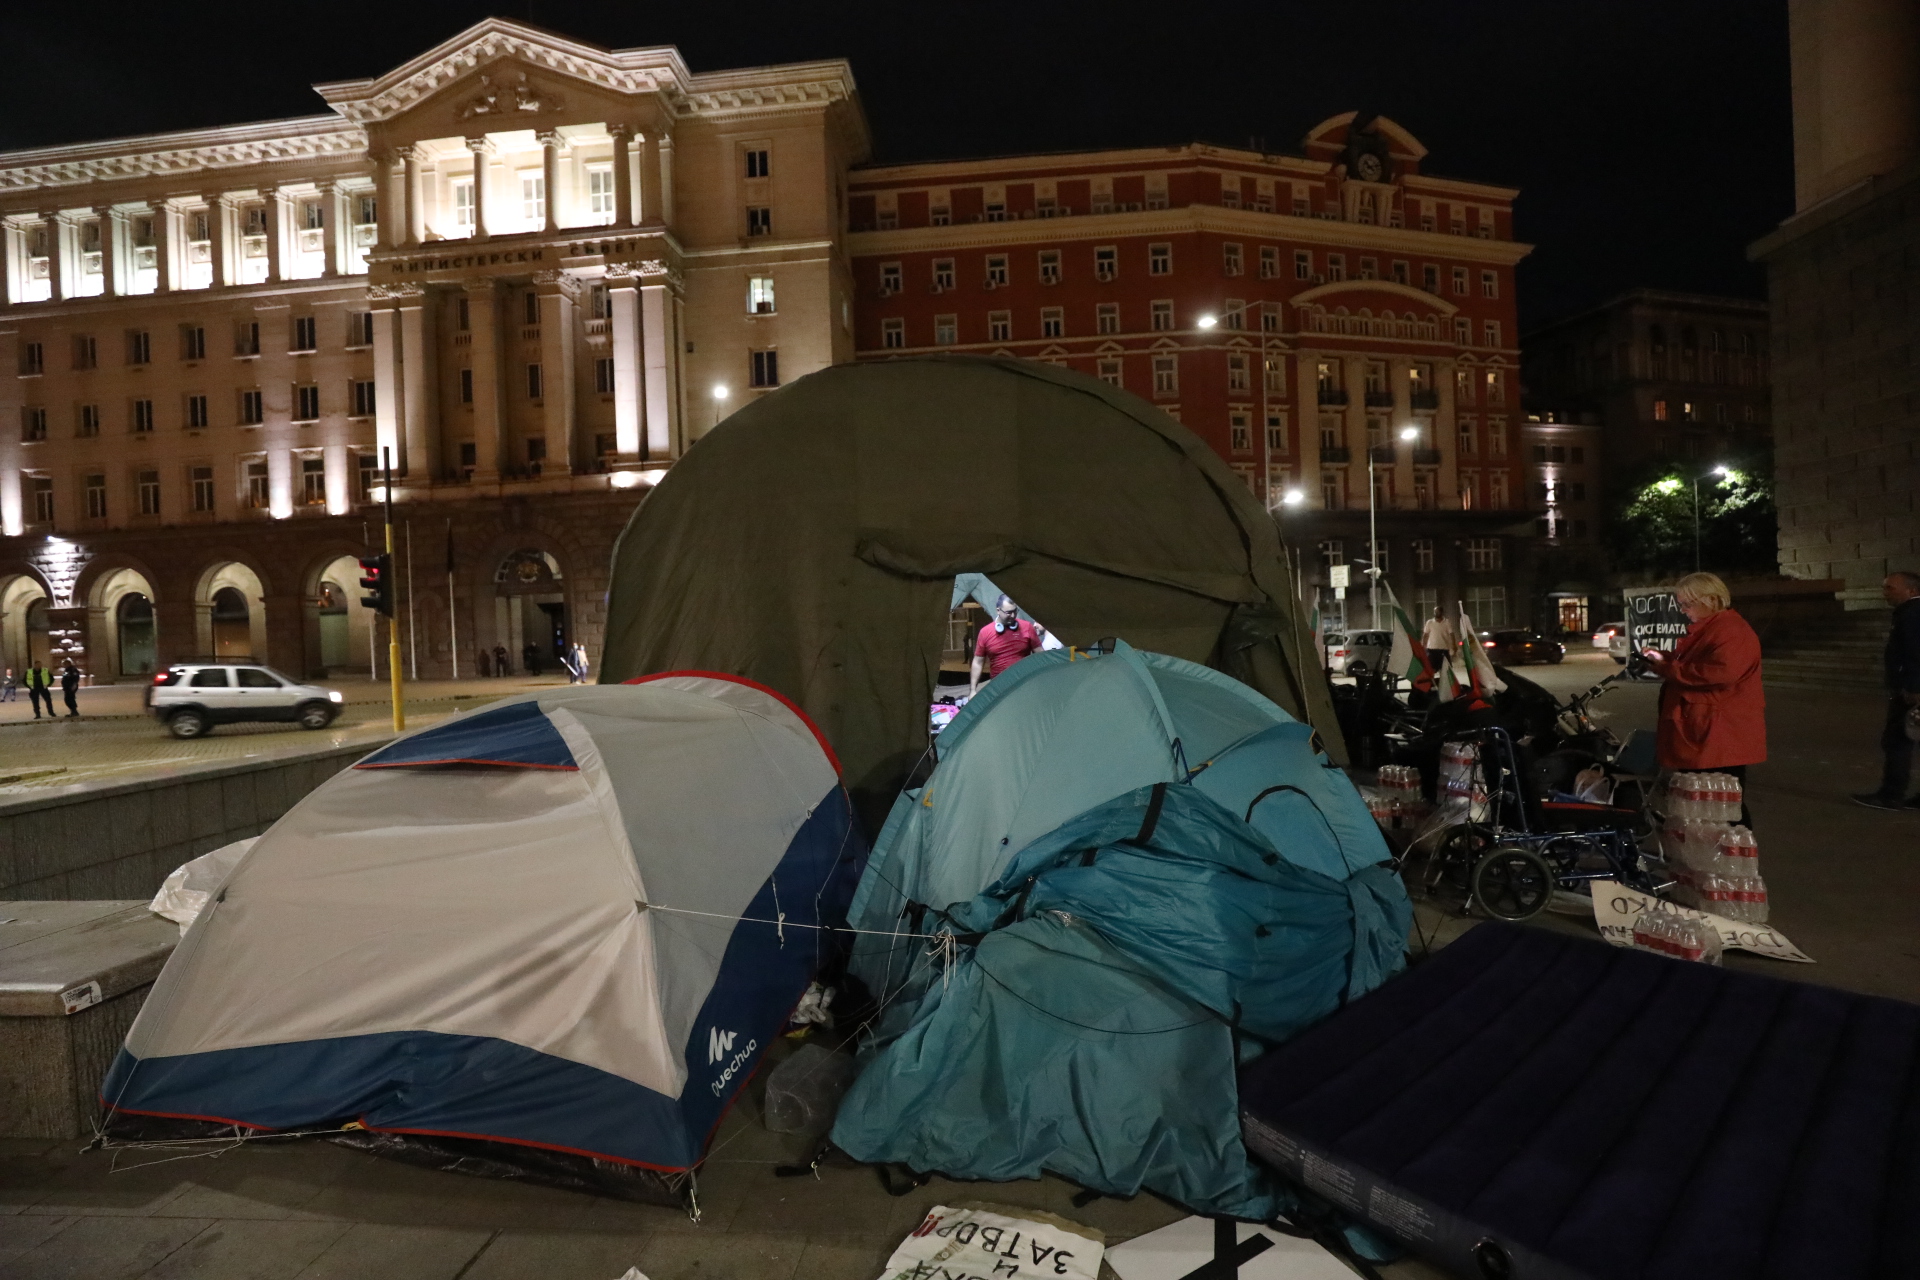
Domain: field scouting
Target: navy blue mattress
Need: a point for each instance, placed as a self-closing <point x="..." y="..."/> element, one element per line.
<point x="1534" y="1105"/>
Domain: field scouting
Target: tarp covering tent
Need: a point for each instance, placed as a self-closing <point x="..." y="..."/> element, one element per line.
<point x="567" y="923"/>
<point x="811" y="542"/>
<point x="1140" y="868"/>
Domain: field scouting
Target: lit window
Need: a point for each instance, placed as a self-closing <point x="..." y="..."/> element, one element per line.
<point x="463" y="204"/>
<point x="760" y="295"/>
<point x="600" y="191"/>
<point x="313" y="482"/>
<point x="533" y="197"/>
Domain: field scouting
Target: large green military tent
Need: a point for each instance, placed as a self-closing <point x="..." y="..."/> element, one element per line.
<point x="810" y="543"/>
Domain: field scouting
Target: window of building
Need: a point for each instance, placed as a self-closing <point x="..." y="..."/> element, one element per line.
<point x="367" y="475"/>
<point x="1166" y="375"/>
<point x="600" y="191"/>
<point x="366" y="212"/>
<point x="599" y="304"/>
<point x="1106" y="317"/>
<point x="1108" y="371"/>
<point x="1230" y="259"/>
<point x="196" y="412"/>
<point x="1430" y="277"/>
<point x="1497" y="437"/>
<point x="1162" y="312"/>
<point x="1489" y="284"/>
<point x="893" y="333"/>
<point x="1687" y="412"/>
<point x="1369" y="268"/>
<point x="1053" y="322"/>
<point x="536" y="388"/>
<point x="1659" y="410"/>
<point x="533" y="197"/>
<point x="1422" y="555"/>
<point x="255" y="474"/>
<point x="1240" y="430"/>
<point x="142" y="416"/>
<point x="1400" y="271"/>
<point x="305" y="334"/>
<point x="999" y="326"/>
<point x="946" y="330"/>
<point x="1277" y="431"/>
<point x="1332" y="492"/>
<point x="760" y="295"/>
<point x="96" y="495"/>
<point x="1496" y="386"/>
<point x="32" y="359"/>
<point x="463" y="203"/>
<point x="530" y="313"/>
<point x="33" y="423"/>
<point x="996" y="211"/>
<point x="1490" y="333"/>
<point x="1106" y="262"/>
<point x="1049" y="266"/>
<point x="1159" y="259"/>
<point x="246" y="338"/>
<point x="252" y="409"/>
<point x="1483" y="554"/>
<point x="1336" y="266"/>
<point x="1274" y="377"/>
<point x="193" y="342"/>
<point x="763" y="369"/>
<point x="313" y="482"/>
<point x="757" y="158"/>
<point x="1460" y="280"/>
<point x="1488" y="607"/>
<point x="1462" y="330"/>
<point x="941" y="215"/>
<point x="306" y="402"/>
<point x="255" y="220"/>
<point x="1303" y="264"/>
<point x="139" y="346"/>
<point x="1469" y="438"/>
<point x="1577" y="454"/>
<point x="469" y="458"/>
<point x="942" y="274"/>
<point x="1234" y="314"/>
<point x="759" y="220"/>
<point x="1238" y="376"/>
<point x="88" y="423"/>
<point x="146" y="488"/>
<point x="889" y="278"/>
<point x="1269" y="261"/>
<point x="200" y="484"/>
<point x="536" y="455"/>
<point x="86" y="352"/>
<point x="888" y="219"/>
<point x="997" y="271"/>
<point x="603" y="376"/>
<point x="1498" y="483"/>
<point x="466" y="386"/>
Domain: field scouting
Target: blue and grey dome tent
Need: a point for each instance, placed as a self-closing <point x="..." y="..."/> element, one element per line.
<point x="563" y="928"/>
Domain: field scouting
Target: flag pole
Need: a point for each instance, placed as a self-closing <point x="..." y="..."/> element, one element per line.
<point x="393" y="636"/>
<point x="453" y="617"/>
<point x="413" y="634"/>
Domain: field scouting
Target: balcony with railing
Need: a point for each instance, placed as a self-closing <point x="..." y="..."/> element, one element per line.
<point x="1424" y="400"/>
<point x="1426" y="457"/>
<point x="1381" y="455"/>
<point x="1379" y="399"/>
<point x="1333" y="395"/>
<point x="1334" y="453"/>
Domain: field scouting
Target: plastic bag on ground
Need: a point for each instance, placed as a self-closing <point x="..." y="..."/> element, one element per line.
<point x="804" y="1092"/>
<point x="184" y="893"/>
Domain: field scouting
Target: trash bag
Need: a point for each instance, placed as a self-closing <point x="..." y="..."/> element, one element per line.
<point x="804" y="1092"/>
<point x="184" y="893"/>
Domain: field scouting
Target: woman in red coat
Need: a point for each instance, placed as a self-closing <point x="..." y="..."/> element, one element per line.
<point x="1713" y="715"/>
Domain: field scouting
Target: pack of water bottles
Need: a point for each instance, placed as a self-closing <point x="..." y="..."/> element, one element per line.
<point x="1709" y="797"/>
<point x="1682" y="937"/>
<point x="1716" y="867"/>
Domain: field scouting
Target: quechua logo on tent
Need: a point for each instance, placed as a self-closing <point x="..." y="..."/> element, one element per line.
<point x="719" y="1045"/>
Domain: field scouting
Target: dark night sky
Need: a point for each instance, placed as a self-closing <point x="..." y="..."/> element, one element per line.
<point x="1651" y="139"/>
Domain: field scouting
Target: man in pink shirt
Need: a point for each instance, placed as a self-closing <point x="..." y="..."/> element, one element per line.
<point x="1003" y="642"/>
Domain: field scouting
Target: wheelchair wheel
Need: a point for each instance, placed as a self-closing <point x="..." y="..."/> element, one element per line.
<point x="1512" y="883"/>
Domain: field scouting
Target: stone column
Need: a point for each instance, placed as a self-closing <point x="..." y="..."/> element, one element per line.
<point x="416" y="210"/>
<point x="483" y="152"/>
<point x="557" y="290"/>
<point x="13" y="263"/>
<point x="113" y="251"/>
<point x="552" y="144"/>
<point x="622" y="176"/>
<point x="656" y="326"/>
<point x="666" y="179"/>
<point x="649" y="210"/>
<point x="421" y="395"/>
<point x="61" y="274"/>
<point x="332" y="246"/>
<point x="169" y="247"/>
<point x="483" y="319"/>
<point x="629" y="373"/>
<point x="386" y="371"/>
<point x="391" y="185"/>
<point x="276" y="233"/>
<point x="222" y="243"/>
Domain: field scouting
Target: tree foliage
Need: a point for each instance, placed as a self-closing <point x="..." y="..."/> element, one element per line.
<point x="1653" y="521"/>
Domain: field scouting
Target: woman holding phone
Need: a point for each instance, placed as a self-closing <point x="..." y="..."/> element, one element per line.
<point x="1713" y="714"/>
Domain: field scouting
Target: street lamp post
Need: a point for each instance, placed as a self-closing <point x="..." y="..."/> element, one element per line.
<point x="720" y="394"/>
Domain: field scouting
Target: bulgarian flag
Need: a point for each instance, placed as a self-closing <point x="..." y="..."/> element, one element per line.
<point x="1480" y="670"/>
<point x="1408" y="657"/>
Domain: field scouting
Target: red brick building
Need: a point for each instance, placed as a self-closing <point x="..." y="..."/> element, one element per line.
<point x="1302" y="314"/>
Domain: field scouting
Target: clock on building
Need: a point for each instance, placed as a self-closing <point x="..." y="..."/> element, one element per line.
<point x="1367" y="167"/>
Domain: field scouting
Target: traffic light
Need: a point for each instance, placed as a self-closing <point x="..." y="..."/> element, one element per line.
<point x="376" y="575"/>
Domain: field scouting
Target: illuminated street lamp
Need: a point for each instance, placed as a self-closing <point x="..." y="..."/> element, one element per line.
<point x="720" y="394"/>
<point x="1722" y="470"/>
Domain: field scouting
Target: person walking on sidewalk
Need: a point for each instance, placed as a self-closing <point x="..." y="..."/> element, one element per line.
<point x="580" y="662"/>
<point x="69" y="688"/>
<point x="39" y="688"/>
<point x="10" y="687"/>
<point x="1438" y="639"/>
<point x="1903" y="694"/>
<point x="1713" y="713"/>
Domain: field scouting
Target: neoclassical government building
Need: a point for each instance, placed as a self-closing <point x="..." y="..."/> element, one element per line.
<point x="525" y="271"/>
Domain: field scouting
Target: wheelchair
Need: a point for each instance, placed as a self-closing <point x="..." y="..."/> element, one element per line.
<point x="1518" y="843"/>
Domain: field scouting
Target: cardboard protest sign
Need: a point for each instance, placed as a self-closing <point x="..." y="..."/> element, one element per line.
<point x="1615" y="906"/>
<point x="974" y="1244"/>
<point x="1654" y="620"/>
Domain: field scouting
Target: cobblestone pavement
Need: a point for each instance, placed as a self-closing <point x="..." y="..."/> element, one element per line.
<point x="113" y="737"/>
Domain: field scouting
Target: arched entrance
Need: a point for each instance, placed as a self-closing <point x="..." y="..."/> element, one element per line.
<point x="345" y="623"/>
<point x="23" y="622"/>
<point x="530" y="609"/>
<point x="123" y="638"/>
<point x="231" y="614"/>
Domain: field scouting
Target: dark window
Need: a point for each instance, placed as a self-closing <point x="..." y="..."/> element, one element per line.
<point x="363" y="400"/>
<point x="533" y="382"/>
<point x="603" y="375"/>
<point x="766" y="369"/>
<point x="759" y="220"/>
<point x="466" y="386"/>
<point x="757" y="163"/>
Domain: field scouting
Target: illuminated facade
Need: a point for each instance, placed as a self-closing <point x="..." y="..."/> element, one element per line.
<point x="503" y="266"/>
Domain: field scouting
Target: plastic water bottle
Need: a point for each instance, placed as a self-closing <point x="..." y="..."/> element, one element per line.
<point x="1734" y="798"/>
<point x="1738" y="855"/>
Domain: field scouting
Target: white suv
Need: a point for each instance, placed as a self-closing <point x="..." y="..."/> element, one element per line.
<point x="191" y="698"/>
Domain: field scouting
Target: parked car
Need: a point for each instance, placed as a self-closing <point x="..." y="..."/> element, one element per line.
<point x="1604" y="633"/>
<point x="1351" y="652"/>
<point x="1512" y="648"/>
<point x="1617" y="647"/>
<point x="191" y="698"/>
